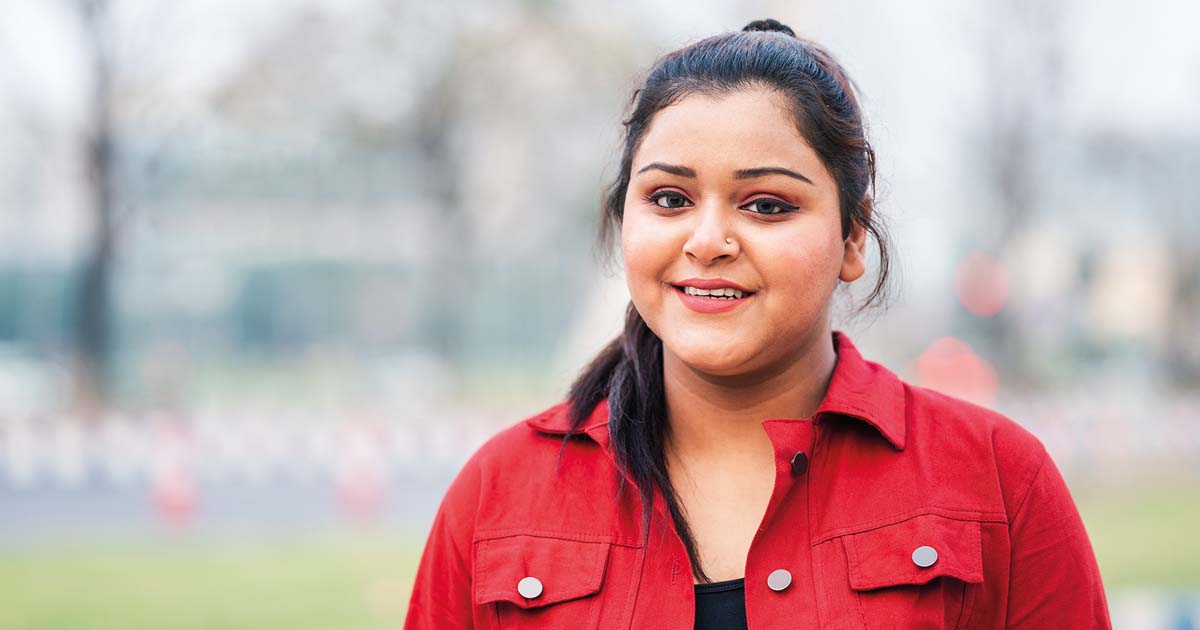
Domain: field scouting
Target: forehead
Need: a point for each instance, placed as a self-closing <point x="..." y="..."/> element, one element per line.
<point x="745" y="128"/>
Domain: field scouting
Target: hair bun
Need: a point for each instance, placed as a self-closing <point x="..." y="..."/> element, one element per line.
<point x="769" y="25"/>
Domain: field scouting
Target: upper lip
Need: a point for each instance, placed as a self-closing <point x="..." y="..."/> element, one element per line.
<point x="712" y="283"/>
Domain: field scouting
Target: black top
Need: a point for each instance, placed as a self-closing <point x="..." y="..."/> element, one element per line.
<point x="721" y="605"/>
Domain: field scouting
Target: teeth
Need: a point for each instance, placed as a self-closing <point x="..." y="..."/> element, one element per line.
<point x="718" y="293"/>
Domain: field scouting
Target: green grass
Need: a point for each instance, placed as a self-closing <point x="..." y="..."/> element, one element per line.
<point x="1142" y="538"/>
<point x="1145" y="536"/>
<point x="325" y="584"/>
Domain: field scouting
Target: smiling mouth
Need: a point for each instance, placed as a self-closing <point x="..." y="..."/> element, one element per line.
<point x="713" y="294"/>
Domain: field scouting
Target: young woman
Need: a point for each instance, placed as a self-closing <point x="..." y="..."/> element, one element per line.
<point x="730" y="461"/>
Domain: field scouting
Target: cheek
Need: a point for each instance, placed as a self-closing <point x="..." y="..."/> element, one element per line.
<point x="643" y="250"/>
<point x="805" y="269"/>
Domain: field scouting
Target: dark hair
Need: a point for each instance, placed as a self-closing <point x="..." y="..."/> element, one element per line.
<point x="628" y="372"/>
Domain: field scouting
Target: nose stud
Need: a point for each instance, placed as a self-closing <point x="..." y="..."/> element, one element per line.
<point x="728" y="240"/>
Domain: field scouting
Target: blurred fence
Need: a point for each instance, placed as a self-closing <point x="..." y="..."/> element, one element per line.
<point x="1098" y="437"/>
<point x="270" y="471"/>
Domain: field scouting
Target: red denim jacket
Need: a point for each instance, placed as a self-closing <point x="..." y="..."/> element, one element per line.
<point x="915" y="510"/>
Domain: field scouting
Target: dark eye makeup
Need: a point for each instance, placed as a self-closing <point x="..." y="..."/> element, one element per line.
<point x="675" y="200"/>
<point x="779" y="206"/>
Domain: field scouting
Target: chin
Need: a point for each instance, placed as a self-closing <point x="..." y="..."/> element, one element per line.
<point x="715" y="361"/>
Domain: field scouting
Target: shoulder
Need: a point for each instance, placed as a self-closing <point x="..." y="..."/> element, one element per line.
<point x="526" y="471"/>
<point x="526" y="443"/>
<point x="985" y="441"/>
<point x="948" y="417"/>
<point x="509" y="450"/>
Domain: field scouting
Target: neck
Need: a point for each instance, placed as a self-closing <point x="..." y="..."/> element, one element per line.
<point x="722" y="415"/>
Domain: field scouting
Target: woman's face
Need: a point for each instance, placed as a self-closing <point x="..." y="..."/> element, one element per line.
<point x="734" y="166"/>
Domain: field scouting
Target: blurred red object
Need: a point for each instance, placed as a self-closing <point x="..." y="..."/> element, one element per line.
<point x="361" y="471"/>
<point x="982" y="285"/>
<point x="951" y="367"/>
<point x="172" y="477"/>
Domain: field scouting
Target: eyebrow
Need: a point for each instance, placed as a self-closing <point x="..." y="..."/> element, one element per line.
<point x="745" y="173"/>
<point x="751" y="173"/>
<point x="681" y="171"/>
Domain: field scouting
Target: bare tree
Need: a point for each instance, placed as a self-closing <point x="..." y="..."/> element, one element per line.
<point x="92" y="315"/>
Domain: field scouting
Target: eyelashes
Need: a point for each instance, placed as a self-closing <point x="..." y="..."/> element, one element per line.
<point x="674" y="200"/>
<point x="781" y="207"/>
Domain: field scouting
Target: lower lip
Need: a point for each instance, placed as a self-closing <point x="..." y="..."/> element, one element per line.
<point x="703" y="304"/>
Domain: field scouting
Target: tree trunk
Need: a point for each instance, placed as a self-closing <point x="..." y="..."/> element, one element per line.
<point x="92" y="309"/>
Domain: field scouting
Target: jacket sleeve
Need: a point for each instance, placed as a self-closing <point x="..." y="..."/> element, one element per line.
<point x="1054" y="581"/>
<point x="441" y="596"/>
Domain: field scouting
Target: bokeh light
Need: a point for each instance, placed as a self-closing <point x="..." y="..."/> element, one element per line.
<point x="982" y="285"/>
<point x="950" y="366"/>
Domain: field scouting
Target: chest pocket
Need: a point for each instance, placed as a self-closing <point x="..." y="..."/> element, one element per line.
<point x="540" y="582"/>
<point x="919" y="573"/>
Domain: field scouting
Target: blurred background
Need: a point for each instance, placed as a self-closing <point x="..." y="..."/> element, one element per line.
<point x="270" y="270"/>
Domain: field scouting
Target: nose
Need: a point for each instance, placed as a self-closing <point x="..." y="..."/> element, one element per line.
<point x="710" y="227"/>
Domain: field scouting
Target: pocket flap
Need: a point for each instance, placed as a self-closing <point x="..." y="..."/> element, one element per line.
<point x="564" y="569"/>
<point x="884" y="556"/>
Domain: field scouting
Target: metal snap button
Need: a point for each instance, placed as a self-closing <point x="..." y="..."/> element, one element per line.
<point x="779" y="579"/>
<point x="924" y="556"/>
<point x="529" y="587"/>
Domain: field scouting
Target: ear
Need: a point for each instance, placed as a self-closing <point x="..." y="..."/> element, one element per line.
<point x="854" y="254"/>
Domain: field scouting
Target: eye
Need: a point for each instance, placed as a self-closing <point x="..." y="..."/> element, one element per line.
<point x="667" y="199"/>
<point x="766" y="205"/>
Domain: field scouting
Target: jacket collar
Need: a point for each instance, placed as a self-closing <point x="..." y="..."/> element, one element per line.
<point x="858" y="389"/>
<point x="865" y="390"/>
